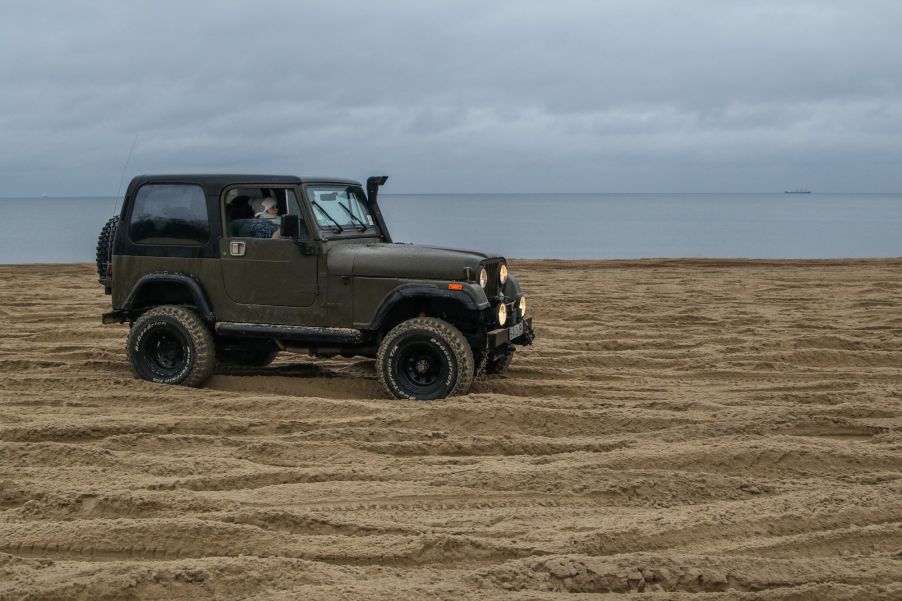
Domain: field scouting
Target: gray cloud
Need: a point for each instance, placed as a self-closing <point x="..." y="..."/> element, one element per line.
<point x="457" y="95"/>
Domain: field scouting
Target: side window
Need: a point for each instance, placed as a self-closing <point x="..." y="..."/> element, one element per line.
<point x="256" y="212"/>
<point x="294" y="209"/>
<point x="292" y="201"/>
<point x="169" y="214"/>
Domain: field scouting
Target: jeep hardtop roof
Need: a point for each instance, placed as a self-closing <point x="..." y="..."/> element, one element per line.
<point x="227" y="179"/>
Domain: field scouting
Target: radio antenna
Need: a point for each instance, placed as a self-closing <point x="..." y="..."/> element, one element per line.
<point x="125" y="168"/>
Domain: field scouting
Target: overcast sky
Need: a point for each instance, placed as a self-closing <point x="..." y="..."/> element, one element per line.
<point x="457" y="95"/>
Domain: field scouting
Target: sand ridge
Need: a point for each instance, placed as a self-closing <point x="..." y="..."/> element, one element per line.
<point x="688" y="429"/>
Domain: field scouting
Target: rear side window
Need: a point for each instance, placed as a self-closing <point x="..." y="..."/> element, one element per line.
<point x="170" y="214"/>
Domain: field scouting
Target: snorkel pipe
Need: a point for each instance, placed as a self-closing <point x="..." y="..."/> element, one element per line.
<point x="372" y="194"/>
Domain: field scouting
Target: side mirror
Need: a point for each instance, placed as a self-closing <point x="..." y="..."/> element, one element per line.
<point x="291" y="226"/>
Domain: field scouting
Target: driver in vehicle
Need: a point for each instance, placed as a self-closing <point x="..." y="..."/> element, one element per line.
<point x="266" y="221"/>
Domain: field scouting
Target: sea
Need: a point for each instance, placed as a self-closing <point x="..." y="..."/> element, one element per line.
<point x="547" y="226"/>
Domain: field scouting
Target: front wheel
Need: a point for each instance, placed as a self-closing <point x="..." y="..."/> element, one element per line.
<point x="171" y="345"/>
<point x="424" y="359"/>
<point x="497" y="365"/>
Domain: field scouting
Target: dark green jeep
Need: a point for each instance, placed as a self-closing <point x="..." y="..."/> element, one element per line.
<point x="235" y="268"/>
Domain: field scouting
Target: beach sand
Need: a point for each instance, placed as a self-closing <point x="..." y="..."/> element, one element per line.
<point x="679" y="427"/>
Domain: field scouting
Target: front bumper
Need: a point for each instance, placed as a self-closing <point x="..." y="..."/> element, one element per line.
<point x="513" y="335"/>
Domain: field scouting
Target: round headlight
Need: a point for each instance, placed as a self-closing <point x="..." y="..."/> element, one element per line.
<point x="483" y="277"/>
<point x="502" y="275"/>
<point x="522" y="306"/>
<point x="502" y="314"/>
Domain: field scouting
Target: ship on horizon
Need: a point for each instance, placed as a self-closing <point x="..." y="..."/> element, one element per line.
<point x="797" y="191"/>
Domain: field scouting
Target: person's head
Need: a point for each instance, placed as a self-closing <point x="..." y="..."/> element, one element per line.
<point x="268" y="209"/>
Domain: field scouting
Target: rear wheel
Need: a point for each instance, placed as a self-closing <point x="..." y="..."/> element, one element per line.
<point x="424" y="359"/>
<point x="171" y="345"/>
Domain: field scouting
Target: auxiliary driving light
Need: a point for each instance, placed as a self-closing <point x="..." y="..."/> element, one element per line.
<point x="522" y="306"/>
<point x="502" y="274"/>
<point x="502" y="314"/>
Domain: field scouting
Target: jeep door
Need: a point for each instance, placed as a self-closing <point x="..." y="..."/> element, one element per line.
<point x="264" y="271"/>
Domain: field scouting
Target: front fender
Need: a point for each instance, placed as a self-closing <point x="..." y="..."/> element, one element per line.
<point x="512" y="288"/>
<point x="471" y="296"/>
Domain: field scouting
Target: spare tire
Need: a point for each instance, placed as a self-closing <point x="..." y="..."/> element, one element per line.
<point x="105" y="250"/>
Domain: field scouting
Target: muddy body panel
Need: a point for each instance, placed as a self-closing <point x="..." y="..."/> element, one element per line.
<point x="132" y="296"/>
<point x="409" y="261"/>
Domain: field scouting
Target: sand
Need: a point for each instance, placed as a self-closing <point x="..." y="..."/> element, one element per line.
<point x="688" y="429"/>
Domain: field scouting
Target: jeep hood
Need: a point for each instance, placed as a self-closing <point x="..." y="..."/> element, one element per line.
<point x="404" y="261"/>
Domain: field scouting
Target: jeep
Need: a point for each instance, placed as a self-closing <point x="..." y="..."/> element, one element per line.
<point x="233" y="269"/>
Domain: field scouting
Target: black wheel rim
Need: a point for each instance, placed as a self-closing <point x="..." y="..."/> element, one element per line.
<point x="421" y="366"/>
<point x="164" y="351"/>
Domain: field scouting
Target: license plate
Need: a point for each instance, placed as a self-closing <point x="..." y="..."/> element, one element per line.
<point x="515" y="331"/>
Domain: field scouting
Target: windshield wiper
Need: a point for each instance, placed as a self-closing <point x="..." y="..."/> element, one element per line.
<point x="354" y="217"/>
<point x="326" y="213"/>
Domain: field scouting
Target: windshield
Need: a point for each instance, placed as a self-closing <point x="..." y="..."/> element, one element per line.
<point x="339" y="208"/>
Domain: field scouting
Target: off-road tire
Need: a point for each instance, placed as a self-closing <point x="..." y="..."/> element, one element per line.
<point x="104" y="254"/>
<point x="424" y="359"/>
<point x="171" y="345"/>
<point x="496" y="367"/>
<point x="245" y="357"/>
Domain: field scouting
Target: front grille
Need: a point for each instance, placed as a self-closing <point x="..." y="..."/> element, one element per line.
<point x="492" y="267"/>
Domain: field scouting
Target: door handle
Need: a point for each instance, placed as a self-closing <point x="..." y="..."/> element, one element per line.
<point x="236" y="249"/>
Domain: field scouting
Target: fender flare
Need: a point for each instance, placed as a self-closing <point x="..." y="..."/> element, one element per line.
<point x="193" y="286"/>
<point x="512" y="288"/>
<point x="397" y="295"/>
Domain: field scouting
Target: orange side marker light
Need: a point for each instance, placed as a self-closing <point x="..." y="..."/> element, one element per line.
<point x="455" y="286"/>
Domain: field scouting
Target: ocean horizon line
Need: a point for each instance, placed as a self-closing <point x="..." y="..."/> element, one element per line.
<point x="544" y="193"/>
<point x="553" y="225"/>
